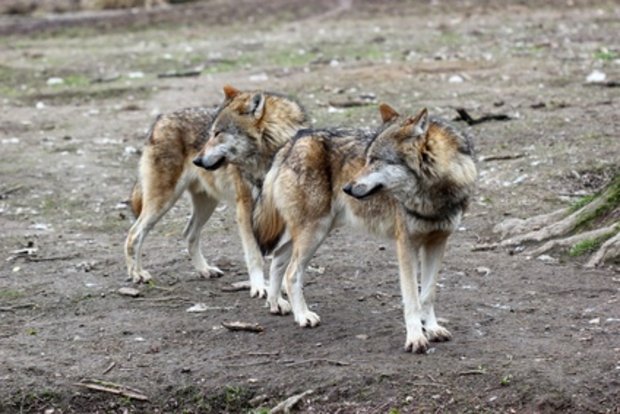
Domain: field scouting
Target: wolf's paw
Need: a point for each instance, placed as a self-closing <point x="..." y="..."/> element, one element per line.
<point x="258" y="291"/>
<point x="211" y="272"/>
<point x="417" y="345"/>
<point x="281" y="307"/>
<point x="140" y="276"/>
<point x="308" y="319"/>
<point x="437" y="334"/>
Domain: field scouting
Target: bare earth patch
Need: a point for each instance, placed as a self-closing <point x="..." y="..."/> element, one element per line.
<point x="529" y="335"/>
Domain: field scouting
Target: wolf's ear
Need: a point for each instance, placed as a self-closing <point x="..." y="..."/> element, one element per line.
<point x="419" y="123"/>
<point x="257" y="105"/>
<point x="387" y="112"/>
<point x="230" y="92"/>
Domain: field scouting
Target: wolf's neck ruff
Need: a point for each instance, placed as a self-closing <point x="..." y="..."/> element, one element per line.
<point x="447" y="212"/>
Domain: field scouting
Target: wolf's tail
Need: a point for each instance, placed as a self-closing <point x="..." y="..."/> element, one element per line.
<point x="135" y="201"/>
<point x="267" y="222"/>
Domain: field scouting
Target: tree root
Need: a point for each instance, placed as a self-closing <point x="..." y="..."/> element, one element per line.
<point x="558" y="228"/>
<point x="609" y="250"/>
<point x="518" y="226"/>
<point x="572" y="240"/>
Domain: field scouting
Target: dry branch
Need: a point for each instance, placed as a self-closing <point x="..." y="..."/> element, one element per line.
<point x="112" y="388"/>
<point x="286" y="405"/>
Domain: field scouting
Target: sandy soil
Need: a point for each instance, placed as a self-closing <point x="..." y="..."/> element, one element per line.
<point x="529" y="336"/>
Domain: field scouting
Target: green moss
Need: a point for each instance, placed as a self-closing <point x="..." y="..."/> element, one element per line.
<point x="7" y="294"/>
<point x="582" y="202"/>
<point x="605" y="54"/>
<point x="590" y="245"/>
<point x="611" y="195"/>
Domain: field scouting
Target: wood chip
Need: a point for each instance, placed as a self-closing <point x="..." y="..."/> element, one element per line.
<point x="242" y="326"/>
<point x="237" y="286"/>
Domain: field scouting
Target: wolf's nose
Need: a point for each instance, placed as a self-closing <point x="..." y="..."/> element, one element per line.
<point x="348" y="188"/>
<point x="197" y="161"/>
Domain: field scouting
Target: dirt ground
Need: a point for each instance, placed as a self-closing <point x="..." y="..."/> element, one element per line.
<point x="529" y="335"/>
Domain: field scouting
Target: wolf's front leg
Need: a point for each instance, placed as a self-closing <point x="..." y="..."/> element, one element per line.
<point x="431" y="256"/>
<point x="416" y="341"/>
<point x="253" y="256"/>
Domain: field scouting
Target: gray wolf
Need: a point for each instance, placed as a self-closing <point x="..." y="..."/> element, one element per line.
<point x="167" y="170"/>
<point x="409" y="181"/>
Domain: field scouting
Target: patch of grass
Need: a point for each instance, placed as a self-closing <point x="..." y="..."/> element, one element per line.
<point x="32" y="401"/>
<point x="8" y="294"/>
<point x="505" y="381"/>
<point x="605" y="54"/>
<point x="611" y="195"/>
<point x="231" y="399"/>
<point x="88" y="94"/>
<point x="582" y="202"/>
<point x="590" y="245"/>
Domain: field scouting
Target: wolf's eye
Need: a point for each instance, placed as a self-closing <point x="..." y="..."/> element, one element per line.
<point x="216" y="133"/>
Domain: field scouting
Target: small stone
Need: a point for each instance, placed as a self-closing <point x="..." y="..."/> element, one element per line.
<point x="55" y="81"/>
<point x="482" y="270"/>
<point x="363" y="337"/>
<point x="198" y="307"/>
<point x="595" y="321"/>
<point x="456" y="79"/>
<point x="127" y="291"/>
<point x="596" y="76"/>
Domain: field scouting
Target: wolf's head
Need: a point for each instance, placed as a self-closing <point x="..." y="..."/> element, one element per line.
<point x="249" y="124"/>
<point x="412" y="155"/>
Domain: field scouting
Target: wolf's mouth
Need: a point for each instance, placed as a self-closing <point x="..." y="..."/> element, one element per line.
<point x="208" y="164"/>
<point x="354" y="191"/>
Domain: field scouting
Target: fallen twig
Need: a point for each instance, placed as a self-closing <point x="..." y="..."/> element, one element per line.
<point x="308" y="361"/>
<point x="15" y="307"/>
<point x="11" y="190"/>
<point x="608" y="84"/>
<point x="109" y="368"/>
<point x="484" y="247"/>
<point x="286" y="405"/>
<point x="351" y="103"/>
<point x="464" y="116"/>
<point x="163" y="299"/>
<point x="242" y="326"/>
<point x="502" y="157"/>
<point x="249" y="364"/>
<point x="472" y="372"/>
<point x="52" y="258"/>
<point x="112" y="388"/>
<point x="180" y="73"/>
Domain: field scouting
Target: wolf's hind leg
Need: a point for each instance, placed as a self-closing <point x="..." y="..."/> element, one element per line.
<point x="155" y="205"/>
<point x="431" y="256"/>
<point x="202" y="208"/>
<point x="281" y="257"/>
<point x="305" y="243"/>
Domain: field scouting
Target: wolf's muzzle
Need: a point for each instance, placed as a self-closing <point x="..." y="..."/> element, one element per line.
<point x="209" y="163"/>
<point x="360" y="191"/>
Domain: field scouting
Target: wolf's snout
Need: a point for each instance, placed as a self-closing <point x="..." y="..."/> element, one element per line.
<point x="361" y="190"/>
<point x="197" y="161"/>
